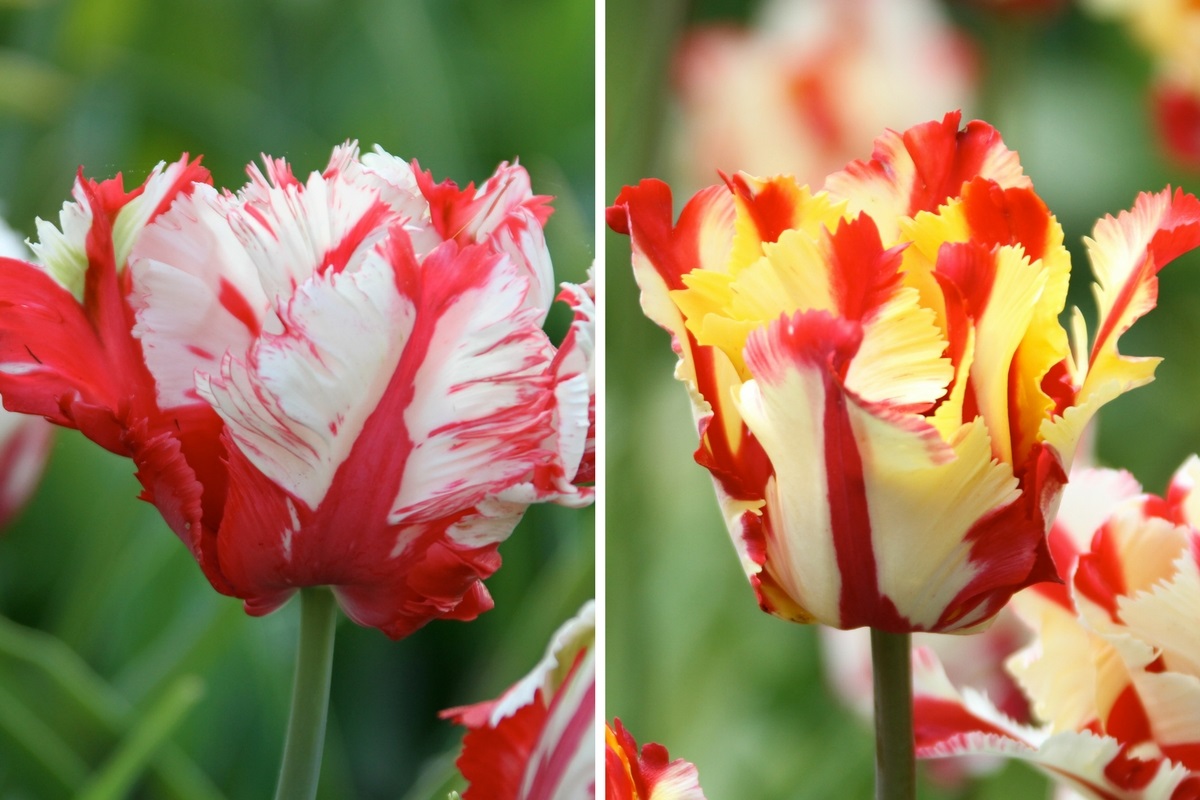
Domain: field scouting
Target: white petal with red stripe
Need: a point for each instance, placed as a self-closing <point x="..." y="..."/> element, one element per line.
<point x="196" y="293"/>
<point x="480" y="405"/>
<point x="297" y="402"/>
<point x="292" y="230"/>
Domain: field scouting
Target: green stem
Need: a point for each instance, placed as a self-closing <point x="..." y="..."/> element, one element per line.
<point x="310" y="697"/>
<point x="895" y="766"/>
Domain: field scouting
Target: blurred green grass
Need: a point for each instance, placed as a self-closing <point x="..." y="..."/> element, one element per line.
<point x="109" y="622"/>
<point x="691" y="661"/>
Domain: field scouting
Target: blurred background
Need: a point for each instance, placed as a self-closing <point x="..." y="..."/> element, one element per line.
<point x="1099" y="108"/>
<point x="116" y="656"/>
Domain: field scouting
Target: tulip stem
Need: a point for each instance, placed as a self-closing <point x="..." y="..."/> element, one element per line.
<point x="310" y="697"/>
<point x="895" y="766"/>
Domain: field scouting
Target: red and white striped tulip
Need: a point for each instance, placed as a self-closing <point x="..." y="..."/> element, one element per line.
<point x="334" y="381"/>
<point x="1114" y="670"/>
<point x="649" y="774"/>
<point x="537" y="740"/>
<point x="884" y="395"/>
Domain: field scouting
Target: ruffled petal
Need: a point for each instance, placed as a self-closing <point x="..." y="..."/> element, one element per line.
<point x="663" y="253"/>
<point x="565" y="477"/>
<point x="766" y="208"/>
<point x="920" y="169"/>
<point x="535" y="741"/>
<point x="1126" y="254"/>
<point x="292" y="230"/>
<point x="992" y="292"/>
<point x="949" y="723"/>
<point x="503" y="211"/>
<point x="196" y="294"/>
<point x="646" y="775"/>
<point x="299" y="401"/>
<point x="471" y="385"/>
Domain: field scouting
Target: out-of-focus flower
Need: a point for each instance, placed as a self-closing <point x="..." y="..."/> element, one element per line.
<point x="537" y="739"/>
<point x="1169" y="30"/>
<point x="340" y="381"/>
<point x="811" y="84"/>
<point x="885" y="398"/>
<point x="24" y="440"/>
<point x="1114" y="670"/>
<point x="646" y="775"/>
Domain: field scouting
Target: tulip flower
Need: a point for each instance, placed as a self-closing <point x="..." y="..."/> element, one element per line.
<point x="810" y="83"/>
<point x="339" y="381"/>
<point x="537" y="739"/>
<point x="334" y="382"/>
<point x="1113" y="671"/>
<point x="646" y="775"/>
<point x="885" y="398"/>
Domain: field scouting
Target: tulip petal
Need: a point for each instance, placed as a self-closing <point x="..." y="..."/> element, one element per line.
<point x="766" y="208"/>
<point x="920" y="169"/>
<point x="1126" y="254"/>
<point x="105" y="212"/>
<point x="51" y="361"/>
<point x="395" y="578"/>
<point x="950" y="723"/>
<point x="504" y="210"/>
<point x="299" y="401"/>
<point x="63" y="253"/>
<point x="291" y="230"/>
<point x="574" y="440"/>
<point x="471" y="386"/>
<point x="475" y="417"/>
<point x="493" y="759"/>
<point x="396" y="182"/>
<point x="993" y="292"/>
<point x="990" y="216"/>
<point x="562" y="764"/>
<point x="1161" y="618"/>
<point x="165" y="184"/>
<point x="863" y="490"/>
<point x="1058" y="673"/>
<point x="535" y="740"/>
<point x="196" y="294"/>
<point x="648" y="775"/>
<point x="662" y="254"/>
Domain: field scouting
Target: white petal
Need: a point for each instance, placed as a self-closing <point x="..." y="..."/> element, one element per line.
<point x="134" y="215"/>
<point x="479" y="409"/>
<point x="296" y="405"/>
<point x="63" y="253"/>
<point x="196" y="294"/>
<point x="290" y="229"/>
<point x="575" y="634"/>
<point x="393" y="178"/>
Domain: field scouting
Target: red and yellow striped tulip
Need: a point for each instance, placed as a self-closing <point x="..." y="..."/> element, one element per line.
<point x="885" y="397"/>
